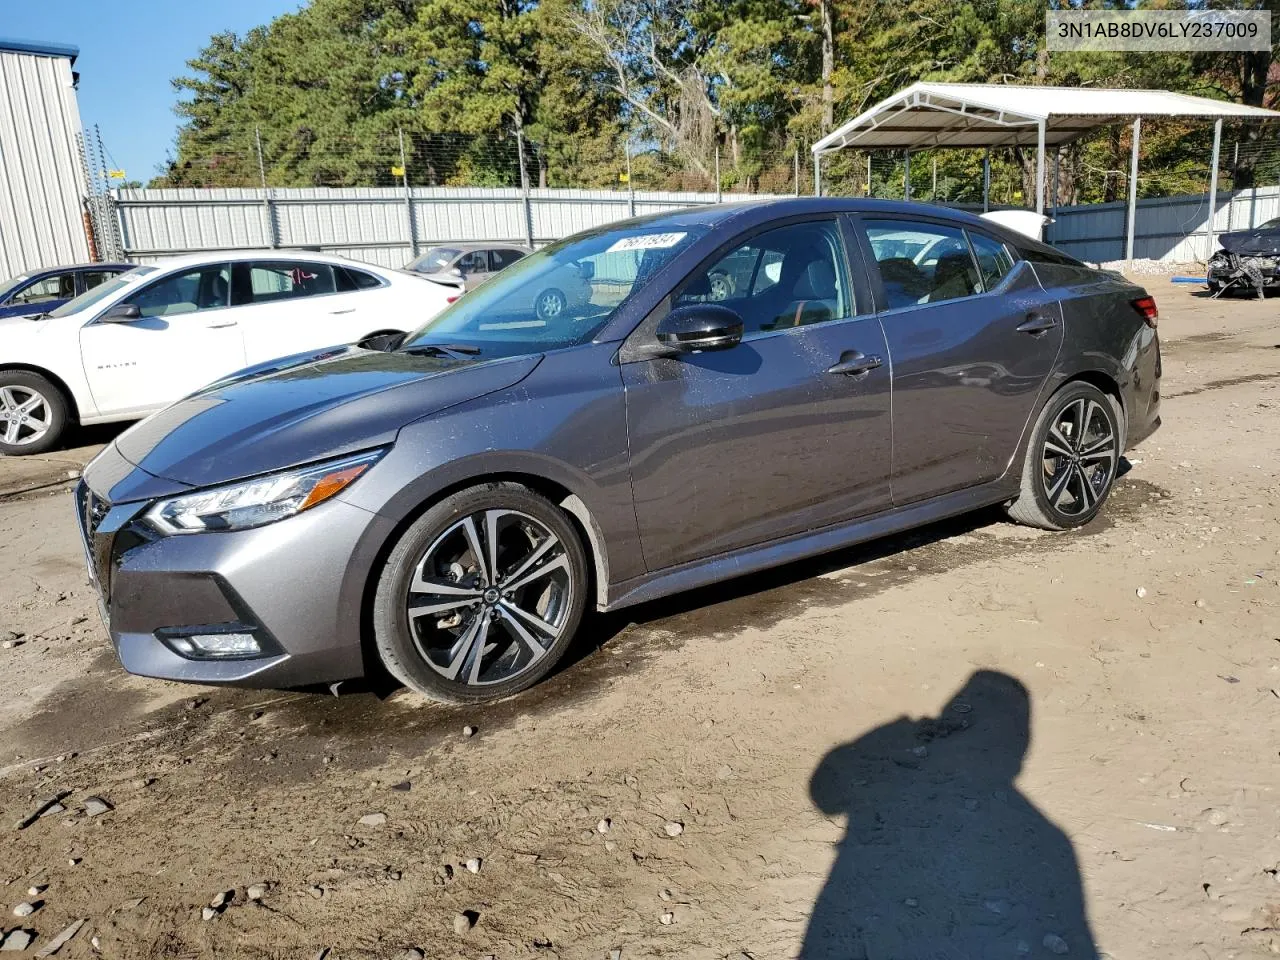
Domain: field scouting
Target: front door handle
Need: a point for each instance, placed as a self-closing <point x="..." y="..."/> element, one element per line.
<point x="217" y="324"/>
<point x="855" y="363"/>
<point x="1036" y="324"/>
<point x="346" y="310"/>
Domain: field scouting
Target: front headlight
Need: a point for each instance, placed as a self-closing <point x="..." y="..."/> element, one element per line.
<point x="252" y="503"/>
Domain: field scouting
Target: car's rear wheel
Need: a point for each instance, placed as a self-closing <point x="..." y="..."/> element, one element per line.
<point x="481" y="596"/>
<point x="33" y="413"/>
<point x="550" y="304"/>
<point x="1071" y="460"/>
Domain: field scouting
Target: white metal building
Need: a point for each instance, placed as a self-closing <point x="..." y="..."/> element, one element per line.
<point x="42" y="180"/>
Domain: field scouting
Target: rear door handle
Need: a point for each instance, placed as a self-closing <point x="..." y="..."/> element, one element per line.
<point x="855" y="363"/>
<point x="216" y="324"/>
<point x="1036" y="324"/>
<point x="346" y="310"/>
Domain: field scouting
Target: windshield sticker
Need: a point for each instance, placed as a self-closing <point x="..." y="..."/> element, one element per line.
<point x="647" y="241"/>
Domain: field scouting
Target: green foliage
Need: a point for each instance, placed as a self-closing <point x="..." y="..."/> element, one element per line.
<point x="334" y="89"/>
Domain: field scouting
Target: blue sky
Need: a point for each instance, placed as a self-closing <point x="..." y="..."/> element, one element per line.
<point x="129" y="51"/>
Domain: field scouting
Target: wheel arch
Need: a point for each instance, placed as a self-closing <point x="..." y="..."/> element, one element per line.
<point x="1108" y="384"/>
<point x="575" y="508"/>
<point x="73" y="408"/>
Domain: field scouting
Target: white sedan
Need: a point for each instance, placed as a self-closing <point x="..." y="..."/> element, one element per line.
<point x="155" y="334"/>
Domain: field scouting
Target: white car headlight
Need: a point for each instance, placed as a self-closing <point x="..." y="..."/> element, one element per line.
<point x="252" y="503"/>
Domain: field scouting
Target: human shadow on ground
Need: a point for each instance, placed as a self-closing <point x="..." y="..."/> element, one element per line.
<point x="943" y="856"/>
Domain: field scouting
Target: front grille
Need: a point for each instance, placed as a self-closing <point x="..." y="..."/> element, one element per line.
<point x="91" y="510"/>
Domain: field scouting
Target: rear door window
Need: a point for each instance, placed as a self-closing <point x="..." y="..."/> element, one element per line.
<point x="921" y="262"/>
<point x="274" y="280"/>
<point x="94" y="278"/>
<point x="498" y="259"/>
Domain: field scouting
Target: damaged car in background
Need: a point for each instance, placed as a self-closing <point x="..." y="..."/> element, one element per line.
<point x="1248" y="261"/>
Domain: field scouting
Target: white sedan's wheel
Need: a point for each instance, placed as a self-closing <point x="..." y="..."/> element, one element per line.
<point x="33" y="413"/>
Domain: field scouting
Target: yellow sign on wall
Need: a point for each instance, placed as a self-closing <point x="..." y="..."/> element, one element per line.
<point x="397" y="171"/>
<point x="116" y="174"/>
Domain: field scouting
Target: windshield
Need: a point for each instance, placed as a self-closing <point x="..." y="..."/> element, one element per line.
<point x="437" y="258"/>
<point x="9" y="286"/>
<point x="561" y="296"/>
<point x="101" y="291"/>
<point x="1273" y="224"/>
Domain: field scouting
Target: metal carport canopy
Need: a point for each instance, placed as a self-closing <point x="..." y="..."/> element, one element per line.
<point x="940" y="115"/>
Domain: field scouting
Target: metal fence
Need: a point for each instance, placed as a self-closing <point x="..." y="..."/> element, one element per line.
<point x="383" y="225"/>
<point x="1173" y="229"/>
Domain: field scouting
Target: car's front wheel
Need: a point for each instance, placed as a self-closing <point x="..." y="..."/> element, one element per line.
<point x="481" y="596"/>
<point x="33" y="413"/>
<point x="1071" y="460"/>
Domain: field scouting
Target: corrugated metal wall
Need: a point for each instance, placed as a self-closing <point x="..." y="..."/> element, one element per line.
<point x="368" y="223"/>
<point x="41" y="178"/>
<point x="372" y="223"/>
<point x="1174" y="229"/>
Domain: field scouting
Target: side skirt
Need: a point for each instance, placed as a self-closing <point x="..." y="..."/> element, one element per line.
<point x="700" y="573"/>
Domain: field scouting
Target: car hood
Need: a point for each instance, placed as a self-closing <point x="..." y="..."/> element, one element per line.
<point x="1251" y="243"/>
<point x="306" y="408"/>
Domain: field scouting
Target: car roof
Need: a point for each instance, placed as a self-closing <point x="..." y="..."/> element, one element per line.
<point x="480" y="245"/>
<point x="63" y="268"/>
<point x="236" y="256"/>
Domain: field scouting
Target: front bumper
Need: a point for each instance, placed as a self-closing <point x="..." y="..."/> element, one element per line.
<point x="297" y="584"/>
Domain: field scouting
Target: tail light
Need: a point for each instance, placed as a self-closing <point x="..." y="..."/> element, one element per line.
<point x="1146" y="306"/>
<point x="453" y="298"/>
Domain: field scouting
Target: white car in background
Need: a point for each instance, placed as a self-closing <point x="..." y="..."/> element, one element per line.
<point x="155" y="334"/>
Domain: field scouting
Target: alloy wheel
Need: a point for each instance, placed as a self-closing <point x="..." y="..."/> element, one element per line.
<point x="25" y="416"/>
<point x="490" y="597"/>
<point x="1080" y="456"/>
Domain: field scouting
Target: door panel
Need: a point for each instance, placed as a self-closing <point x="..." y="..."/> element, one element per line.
<point x="292" y="306"/>
<point x="965" y="378"/>
<point x="187" y="337"/>
<point x="740" y="446"/>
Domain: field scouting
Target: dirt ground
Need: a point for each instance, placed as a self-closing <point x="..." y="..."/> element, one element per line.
<point x="841" y="740"/>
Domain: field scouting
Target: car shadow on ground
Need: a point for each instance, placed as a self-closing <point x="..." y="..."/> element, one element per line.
<point x="943" y="856"/>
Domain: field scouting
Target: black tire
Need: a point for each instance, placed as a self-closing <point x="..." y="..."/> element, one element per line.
<point x="1067" y="489"/>
<point x="46" y="421"/>
<point x="421" y="651"/>
<point x="550" y="303"/>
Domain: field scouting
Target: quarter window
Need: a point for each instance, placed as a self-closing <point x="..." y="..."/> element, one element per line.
<point x="994" y="262"/>
<point x="788" y="277"/>
<point x="203" y="289"/>
<point x="922" y="262"/>
<point x="273" y="280"/>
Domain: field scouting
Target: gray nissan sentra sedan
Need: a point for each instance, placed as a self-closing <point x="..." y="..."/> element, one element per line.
<point x="746" y="385"/>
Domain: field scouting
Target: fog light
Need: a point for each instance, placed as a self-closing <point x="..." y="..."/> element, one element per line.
<point x="216" y="646"/>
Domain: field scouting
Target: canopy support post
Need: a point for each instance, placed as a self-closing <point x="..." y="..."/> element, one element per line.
<point x="1213" y="185"/>
<point x="1053" y="191"/>
<point x="986" y="180"/>
<point x="906" y="178"/>
<point x="1040" y="167"/>
<point x="817" y="175"/>
<point x="1133" y="188"/>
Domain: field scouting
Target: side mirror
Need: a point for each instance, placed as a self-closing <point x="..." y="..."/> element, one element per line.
<point x="122" y="313"/>
<point x="457" y="272"/>
<point x="587" y="269"/>
<point x="699" y="327"/>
